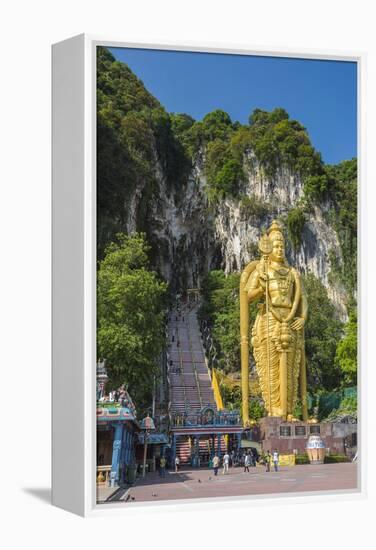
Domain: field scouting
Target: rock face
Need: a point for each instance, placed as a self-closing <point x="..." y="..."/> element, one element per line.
<point x="189" y="236"/>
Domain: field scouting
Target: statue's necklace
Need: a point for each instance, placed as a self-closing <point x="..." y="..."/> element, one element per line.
<point x="283" y="279"/>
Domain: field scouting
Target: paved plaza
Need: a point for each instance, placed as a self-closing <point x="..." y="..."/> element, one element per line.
<point x="201" y="483"/>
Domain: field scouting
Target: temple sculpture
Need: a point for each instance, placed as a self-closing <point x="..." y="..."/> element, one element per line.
<point x="277" y="335"/>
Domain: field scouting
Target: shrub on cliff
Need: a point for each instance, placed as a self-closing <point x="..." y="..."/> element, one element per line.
<point x="295" y="223"/>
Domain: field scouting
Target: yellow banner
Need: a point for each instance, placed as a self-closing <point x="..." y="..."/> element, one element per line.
<point x="287" y="460"/>
<point x="217" y="392"/>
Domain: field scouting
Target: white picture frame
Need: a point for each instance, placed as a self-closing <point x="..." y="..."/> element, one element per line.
<point x="74" y="261"/>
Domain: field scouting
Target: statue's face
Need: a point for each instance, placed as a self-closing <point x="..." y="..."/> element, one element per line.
<point x="278" y="253"/>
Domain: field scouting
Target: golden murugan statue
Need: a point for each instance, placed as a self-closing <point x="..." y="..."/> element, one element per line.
<point x="278" y="332"/>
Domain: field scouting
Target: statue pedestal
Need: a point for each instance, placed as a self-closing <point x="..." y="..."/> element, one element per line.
<point x="292" y="437"/>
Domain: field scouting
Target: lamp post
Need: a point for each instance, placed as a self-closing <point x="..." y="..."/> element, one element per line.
<point x="147" y="424"/>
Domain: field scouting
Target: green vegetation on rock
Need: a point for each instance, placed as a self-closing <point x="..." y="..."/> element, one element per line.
<point x="135" y="139"/>
<point x="279" y="141"/>
<point x="253" y="207"/>
<point x="271" y="139"/>
<point x="295" y="223"/>
<point x="343" y="194"/>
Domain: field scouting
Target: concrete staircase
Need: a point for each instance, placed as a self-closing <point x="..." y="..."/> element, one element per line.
<point x="184" y="448"/>
<point x="190" y="383"/>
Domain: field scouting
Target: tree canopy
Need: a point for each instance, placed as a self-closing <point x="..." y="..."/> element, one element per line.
<point x="130" y="316"/>
<point x="135" y="139"/>
<point x="323" y="331"/>
<point x="347" y="350"/>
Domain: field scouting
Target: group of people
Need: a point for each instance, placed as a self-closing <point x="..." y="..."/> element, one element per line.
<point x="250" y="456"/>
<point x="248" y="459"/>
<point x="268" y="458"/>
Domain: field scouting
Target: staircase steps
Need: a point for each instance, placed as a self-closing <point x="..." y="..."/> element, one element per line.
<point x="190" y="383"/>
<point x="184" y="448"/>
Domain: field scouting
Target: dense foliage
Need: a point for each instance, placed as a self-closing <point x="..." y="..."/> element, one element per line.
<point x="347" y="350"/>
<point x="230" y="388"/>
<point x="343" y="215"/>
<point x="323" y="331"/>
<point x="271" y="139"/>
<point x="133" y="125"/>
<point x="130" y="317"/>
<point x="295" y="223"/>
<point x="220" y="309"/>
<point x="134" y="134"/>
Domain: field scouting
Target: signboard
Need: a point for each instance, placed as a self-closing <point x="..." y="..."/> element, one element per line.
<point x="286" y="460"/>
<point x="246" y="444"/>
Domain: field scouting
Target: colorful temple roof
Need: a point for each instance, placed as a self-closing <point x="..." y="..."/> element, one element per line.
<point x="113" y="414"/>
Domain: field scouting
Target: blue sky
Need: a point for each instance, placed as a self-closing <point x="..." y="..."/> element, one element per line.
<point x="320" y="94"/>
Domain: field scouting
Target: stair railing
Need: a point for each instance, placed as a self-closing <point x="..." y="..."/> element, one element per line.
<point x="181" y="369"/>
<point x="194" y="365"/>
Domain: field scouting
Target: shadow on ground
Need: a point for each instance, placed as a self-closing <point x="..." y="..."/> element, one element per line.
<point x="41" y="493"/>
<point x="171" y="477"/>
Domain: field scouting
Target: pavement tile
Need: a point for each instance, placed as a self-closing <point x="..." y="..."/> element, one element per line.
<point x="201" y="483"/>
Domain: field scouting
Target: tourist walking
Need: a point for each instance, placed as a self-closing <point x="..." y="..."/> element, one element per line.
<point x="252" y="458"/>
<point x="268" y="460"/>
<point x="215" y="464"/>
<point x="247" y="463"/>
<point x="232" y="457"/>
<point x="177" y="464"/>
<point x="226" y="461"/>
<point x="162" y="466"/>
<point x="275" y="460"/>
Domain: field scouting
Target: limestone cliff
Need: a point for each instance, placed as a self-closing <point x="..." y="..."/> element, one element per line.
<point x="189" y="236"/>
<point x="157" y="173"/>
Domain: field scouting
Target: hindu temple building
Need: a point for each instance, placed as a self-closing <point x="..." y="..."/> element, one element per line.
<point x="117" y="431"/>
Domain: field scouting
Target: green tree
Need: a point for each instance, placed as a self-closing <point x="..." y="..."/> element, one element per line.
<point x="217" y="125"/>
<point x="221" y="310"/>
<point x="279" y="141"/>
<point x="256" y="409"/>
<point x="347" y="349"/>
<point x="130" y="316"/>
<point x="323" y="331"/>
<point x="229" y="177"/>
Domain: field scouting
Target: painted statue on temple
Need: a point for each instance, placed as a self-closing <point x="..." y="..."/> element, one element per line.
<point x="277" y="336"/>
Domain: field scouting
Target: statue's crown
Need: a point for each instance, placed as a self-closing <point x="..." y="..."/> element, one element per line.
<point x="276" y="226"/>
<point x="275" y="231"/>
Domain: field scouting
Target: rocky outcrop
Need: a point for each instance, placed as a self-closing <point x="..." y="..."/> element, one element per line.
<point x="189" y="236"/>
